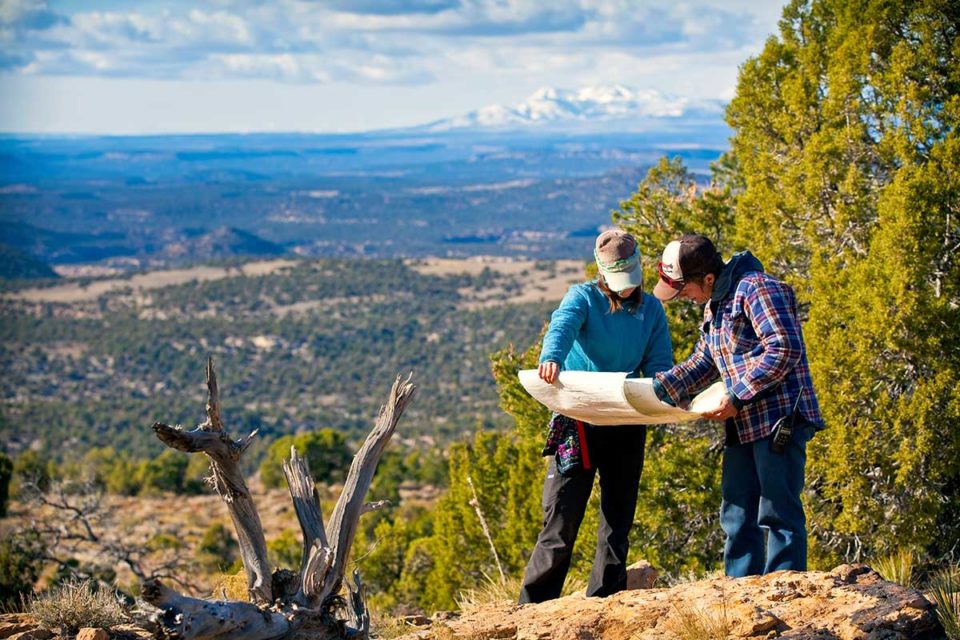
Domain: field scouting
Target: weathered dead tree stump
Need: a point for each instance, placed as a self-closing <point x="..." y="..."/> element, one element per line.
<point x="282" y="604"/>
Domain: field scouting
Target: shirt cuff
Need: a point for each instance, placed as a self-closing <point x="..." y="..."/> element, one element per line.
<point x="662" y="394"/>
<point x="734" y="400"/>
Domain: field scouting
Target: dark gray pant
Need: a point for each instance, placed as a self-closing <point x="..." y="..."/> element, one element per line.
<point x="617" y="454"/>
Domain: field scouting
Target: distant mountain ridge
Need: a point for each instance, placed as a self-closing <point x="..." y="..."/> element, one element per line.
<point x="597" y="107"/>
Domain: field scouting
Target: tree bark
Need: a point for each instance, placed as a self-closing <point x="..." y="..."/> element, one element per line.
<point x="224" y="454"/>
<point x="183" y="617"/>
<point x="306" y="503"/>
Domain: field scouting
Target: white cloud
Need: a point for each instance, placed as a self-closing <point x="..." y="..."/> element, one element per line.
<point x="247" y="65"/>
<point x="181" y="41"/>
<point x="218" y="27"/>
<point x="459" y="54"/>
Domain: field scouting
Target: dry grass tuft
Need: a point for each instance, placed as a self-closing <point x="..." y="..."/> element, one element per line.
<point x="387" y="628"/>
<point x="897" y="567"/>
<point x="231" y="586"/>
<point x="701" y="623"/>
<point x="492" y="591"/>
<point x="76" y="604"/>
<point x="506" y="591"/>
<point x="945" y="586"/>
<point x="673" y="579"/>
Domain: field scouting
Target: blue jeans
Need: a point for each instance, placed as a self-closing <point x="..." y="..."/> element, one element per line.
<point x="761" y="495"/>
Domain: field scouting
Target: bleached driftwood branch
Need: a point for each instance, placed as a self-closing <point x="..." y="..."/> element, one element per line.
<point x="186" y="617"/>
<point x="224" y="454"/>
<point x="346" y="513"/>
<point x="306" y="503"/>
<point x="276" y="611"/>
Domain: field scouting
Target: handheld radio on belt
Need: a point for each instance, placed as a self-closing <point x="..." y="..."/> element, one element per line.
<point x="783" y="428"/>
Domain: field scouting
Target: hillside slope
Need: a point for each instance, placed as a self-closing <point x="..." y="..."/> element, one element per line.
<point x="18" y="264"/>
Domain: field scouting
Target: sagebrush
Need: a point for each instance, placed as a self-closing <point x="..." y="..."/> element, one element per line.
<point x="76" y="604"/>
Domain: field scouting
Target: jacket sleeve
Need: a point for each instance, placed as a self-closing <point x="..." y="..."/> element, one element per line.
<point x="658" y="355"/>
<point x="772" y="311"/>
<point x="690" y="376"/>
<point x="565" y="324"/>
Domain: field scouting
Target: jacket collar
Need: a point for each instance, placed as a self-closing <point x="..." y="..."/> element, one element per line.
<point x="739" y="265"/>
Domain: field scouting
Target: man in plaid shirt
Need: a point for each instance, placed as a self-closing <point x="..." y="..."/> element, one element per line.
<point x="751" y="338"/>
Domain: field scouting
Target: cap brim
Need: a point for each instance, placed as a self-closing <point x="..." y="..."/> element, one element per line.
<point x="664" y="292"/>
<point x="621" y="280"/>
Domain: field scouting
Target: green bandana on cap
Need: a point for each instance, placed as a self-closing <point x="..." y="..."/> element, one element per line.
<point x="618" y="259"/>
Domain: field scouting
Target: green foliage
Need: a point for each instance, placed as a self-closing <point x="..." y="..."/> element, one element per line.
<point x="897" y="567"/>
<point x="676" y="527"/>
<point x="300" y="349"/>
<point x="20" y="566"/>
<point x="164" y="541"/>
<point x="113" y="470"/>
<point x="946" y="594"/>
<point x="32" y="468"/>
<point x="391" y="558"/>
<point x="460" y="553"/>
<point x="846" y="134"/>
<point x="117" y="473"/>
<point x="530" y="417"/>
<point x="218" y="548"/>
<point x="6" y="473"/>
<point x="285" y="550"/>
<point x="843" y="180"/>
<point x="326" y="452"/>
<point x="196" y="474"/>
<point x="507" y="472"/>
<point x="165" y="473"/>
<point x="397" y="468"/>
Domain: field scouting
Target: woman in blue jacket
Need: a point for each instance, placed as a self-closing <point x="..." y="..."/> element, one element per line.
<point x="607" y="324"/>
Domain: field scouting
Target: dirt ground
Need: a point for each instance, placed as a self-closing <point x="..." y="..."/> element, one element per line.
<point x="538" y="281"/>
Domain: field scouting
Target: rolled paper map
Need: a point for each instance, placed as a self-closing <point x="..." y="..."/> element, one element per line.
<point x="610" y="399"/>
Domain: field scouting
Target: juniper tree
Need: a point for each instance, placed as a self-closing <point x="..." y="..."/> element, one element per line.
<point x="846" y="134"/>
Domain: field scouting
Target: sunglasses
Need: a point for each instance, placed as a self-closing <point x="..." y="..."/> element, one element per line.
<point x="677" y="285"/>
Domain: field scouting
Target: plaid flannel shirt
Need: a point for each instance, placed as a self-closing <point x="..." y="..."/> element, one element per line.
<point x="752" y="340"/>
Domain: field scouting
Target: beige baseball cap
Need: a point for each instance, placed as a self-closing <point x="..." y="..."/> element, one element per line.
<point x="618" y="260"/>
<point x="691" y="255"/>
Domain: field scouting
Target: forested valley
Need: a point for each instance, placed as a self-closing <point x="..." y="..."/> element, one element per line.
<point x="842" y="178"/>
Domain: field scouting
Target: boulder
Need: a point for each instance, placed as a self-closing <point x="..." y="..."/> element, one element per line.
<point x="89" y="633"/>
<point x="641" y="575"/>
<point x="852" y="602"/>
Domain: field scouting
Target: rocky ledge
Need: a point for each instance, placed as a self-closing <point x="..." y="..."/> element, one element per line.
<point x="852" y="602"/>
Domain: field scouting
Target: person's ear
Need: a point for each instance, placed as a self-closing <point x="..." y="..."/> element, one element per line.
<point x="709" y="279"/>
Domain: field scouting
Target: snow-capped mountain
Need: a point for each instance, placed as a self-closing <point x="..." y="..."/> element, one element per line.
<point x="601" y="106"/>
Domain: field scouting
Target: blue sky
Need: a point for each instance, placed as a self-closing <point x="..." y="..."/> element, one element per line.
<point x="86" y="66"/>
